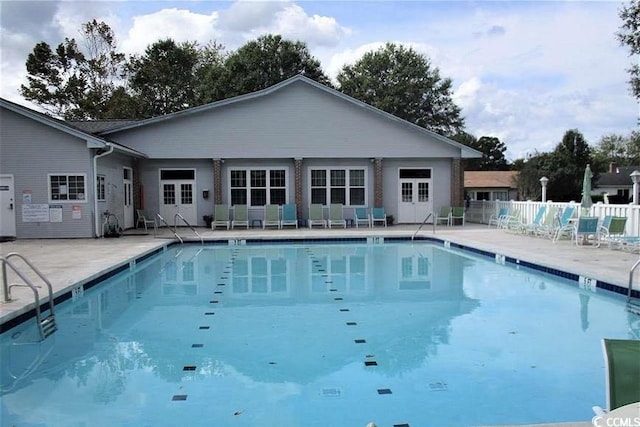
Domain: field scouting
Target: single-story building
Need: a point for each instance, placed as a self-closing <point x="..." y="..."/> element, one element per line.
<point x="491" y="185"/>
<point x="295" y="142"/>
<point x="616" y="184"/>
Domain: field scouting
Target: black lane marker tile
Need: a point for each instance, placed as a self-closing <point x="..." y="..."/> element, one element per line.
<point x="209" y="313"/>
<point x="328" y="281"/>
<point x="370" y="363"/>
<point x="197" y="345"/>
<point x="321" y="269"/>
<point x="338" y="298"/>
<point x="189" y="368"/>
<point x="384" y="391"/>
<point x="179" y="397"/>
<point x="214" y="301"/>
<point x="205" y="327"/>
<point x="222" y="284"/>
<point x="333" y="290"/>
<point x="360" y="341"/>
<point x="401" y="425"/>
<point x="223" y="278"/>
<point x="217" y="292"/>
<point x="344" y="309"/>
<point x="351" y="323"/>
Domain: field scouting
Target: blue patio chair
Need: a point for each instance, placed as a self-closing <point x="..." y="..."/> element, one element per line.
<point x="496" y="219"/>
<point x="361" y="217"/>
<point x="289" y="215"/>
<point x="378" y="215"/>
<point x="587" y="230"/>
<point x="565" y="223"/>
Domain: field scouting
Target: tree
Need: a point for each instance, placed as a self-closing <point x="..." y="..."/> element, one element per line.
<point x="629" y="35"/>
<point x="566" y="167"/>
<point x="403" y="83"/>
<point x="623" y="150"/>
<point x="164" y="78"/>
<point x="493" y="158"/>
<point x="529" y="173"/>
<point x="74" y="84"/>
<point x="261" y="63"/>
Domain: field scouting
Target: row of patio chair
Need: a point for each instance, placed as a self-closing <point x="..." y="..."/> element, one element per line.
<point x="274" y="216"/>
<point x="450" y="214"/>
<point x="555" y="224"/>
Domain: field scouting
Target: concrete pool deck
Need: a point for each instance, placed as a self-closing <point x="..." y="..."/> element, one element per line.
<point x="69" y="262"/>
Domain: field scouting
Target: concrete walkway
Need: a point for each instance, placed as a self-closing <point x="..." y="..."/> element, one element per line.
<point x="70" y="262"/>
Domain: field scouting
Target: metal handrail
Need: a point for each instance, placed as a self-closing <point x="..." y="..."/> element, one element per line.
<point x="631" y="279"/>
<point x="6" y="288"/>
<point x="169" y="227"/>
<point x="175" y="226"/>
<point x="423" y="223"/>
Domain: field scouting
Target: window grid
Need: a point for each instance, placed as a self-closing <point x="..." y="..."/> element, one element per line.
<point x="67" y="187"/>
<point x="345" y="186"/>
<point x="265" y="186"/>
<point x="100" y="188"/>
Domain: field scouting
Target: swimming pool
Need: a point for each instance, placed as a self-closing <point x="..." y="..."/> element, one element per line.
<point x="305" y="334"/>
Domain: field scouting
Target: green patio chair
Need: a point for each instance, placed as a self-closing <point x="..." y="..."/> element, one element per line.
<point x="220" y="217"/>
<point x="457" y="214"/>
<point x="336" y="215"/>
<point x="444" y="215"/>
<point x="613" y="231"/>
<point x="622" y="373"/>
<point x="240" y="216"/>
<point x="271" y="216"/>
<point x="316" y="216"/>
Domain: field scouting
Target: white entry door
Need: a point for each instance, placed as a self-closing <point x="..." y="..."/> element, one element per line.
<point x="128" y="198"/>
<point x="7" y="207"/>
<point x="177" y="197"/>
<point x="414" y="193"/>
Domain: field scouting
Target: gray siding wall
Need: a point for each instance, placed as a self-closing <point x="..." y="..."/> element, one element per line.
<point x="296" y="121"/>
<point x="150" y="180"/>
<point x="111" y="166"/>
<point x="30" y="150"/>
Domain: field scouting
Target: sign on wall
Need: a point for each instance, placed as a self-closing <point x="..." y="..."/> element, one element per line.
<point x="35" y="212"/>
<point x="55" y="213"/>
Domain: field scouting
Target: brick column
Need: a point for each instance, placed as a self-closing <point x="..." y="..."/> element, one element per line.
<point x="457" y="183"/>
<point x="378" y="196"/>
<point x="217" y="181"/>
<point x="298" y="183"/>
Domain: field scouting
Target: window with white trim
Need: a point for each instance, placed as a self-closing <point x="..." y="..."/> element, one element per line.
<point x="64" y="187"/>
<point x="344" y="186"/>
<point x="258" y="187"/>
<point x="100" y="188"/>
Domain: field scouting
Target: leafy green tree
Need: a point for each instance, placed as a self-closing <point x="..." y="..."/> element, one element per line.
<point x="623" y="150"/>
<point x="402" y="82"/>
<point x="629" y="35"/>
<point x="73" y="83"/>
<point x="262" y="63"/>
<point x="566" y="167"/>
<point x="165" y="77"/>
<point x="493" y="157"/>
<point x="529" y="173"/>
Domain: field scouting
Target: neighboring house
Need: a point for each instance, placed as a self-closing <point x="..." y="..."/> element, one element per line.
<point x="295" y="142"/>
<point x="491" y="185"/>
<point x="616" y="184"/>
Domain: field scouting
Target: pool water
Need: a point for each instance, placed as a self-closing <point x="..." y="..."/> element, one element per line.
<point x="398" y="334"/>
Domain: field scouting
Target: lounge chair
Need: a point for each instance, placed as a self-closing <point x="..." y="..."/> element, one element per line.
<point x="498" y="218"/>
<point x="146" y="220"/>
<point x="444" y="215"/>
<point x="512" y="222"/>
<point x="240" y="216"/>
<point x="566" y="224"/>
<point x="612" y="231"/>
<point x="336" y="216"/>
<point x="537" y="221"/>
<point x="587" y="228"/>
<point x="220" y="217"/>
<point x="457" y="213"/>
<point x="316" y="216"/>
<point x="289" y="215"/>
<point x="622" y="373"/>
<point x="361" y="217"/>
<point x="271" y="216"/>
<point x="378" y="215"/>
<point x="548" y="225"/>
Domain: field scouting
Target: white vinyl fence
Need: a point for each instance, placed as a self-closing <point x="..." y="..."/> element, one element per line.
<point x="481" y="211"/>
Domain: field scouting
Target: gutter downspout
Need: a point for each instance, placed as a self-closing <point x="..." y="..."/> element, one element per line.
<point x="95" y="196"/>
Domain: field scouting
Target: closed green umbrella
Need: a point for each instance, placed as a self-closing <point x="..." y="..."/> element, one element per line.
<point x="586" y="189"/>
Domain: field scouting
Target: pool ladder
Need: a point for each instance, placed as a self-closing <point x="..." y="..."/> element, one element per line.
<point x="633" y="304"/>
<point x="174" y="230"/>
<point x="46" y="324"/>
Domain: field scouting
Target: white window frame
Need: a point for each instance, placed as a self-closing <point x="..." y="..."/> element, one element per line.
<point x="347" y="186"/>
<point x="67" y="200"/>
<point x="101" y="187"/>
<point x="268" y="188"/>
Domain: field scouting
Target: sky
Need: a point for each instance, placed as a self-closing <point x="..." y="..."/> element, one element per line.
<point x="522" y="71"/>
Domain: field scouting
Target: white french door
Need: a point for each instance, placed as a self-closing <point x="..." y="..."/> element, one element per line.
<point x="177" y="197"/>
<point x="414" y="195"/>
<point x="127" y="185"/>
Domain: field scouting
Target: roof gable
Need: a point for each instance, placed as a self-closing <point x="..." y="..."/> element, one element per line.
<point x="465" y="152"/>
